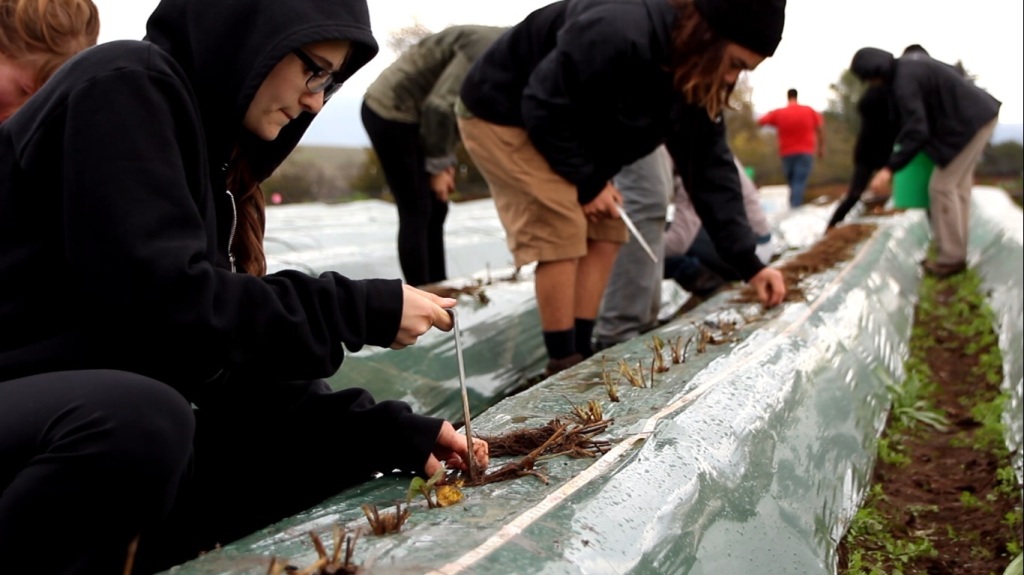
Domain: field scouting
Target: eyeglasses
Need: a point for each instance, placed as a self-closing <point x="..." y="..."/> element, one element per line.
<point x="320" y="79"/>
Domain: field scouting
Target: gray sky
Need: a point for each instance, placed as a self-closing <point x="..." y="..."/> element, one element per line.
<point x="819" y="39"/>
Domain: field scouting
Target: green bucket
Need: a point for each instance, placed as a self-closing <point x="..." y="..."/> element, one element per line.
<point x="910" y="185"/>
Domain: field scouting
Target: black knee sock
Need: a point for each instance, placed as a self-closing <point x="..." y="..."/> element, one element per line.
<point x="584" y="332"/>
<point x="560" y="344"/>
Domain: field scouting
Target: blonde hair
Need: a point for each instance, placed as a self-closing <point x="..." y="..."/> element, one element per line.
<point x="47" y="32"/>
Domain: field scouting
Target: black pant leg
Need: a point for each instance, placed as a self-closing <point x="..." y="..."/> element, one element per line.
<point x="88" y="460"/>
<point x="271" y="450"/>
<point x="858" y="183"/>
<point x="437" y="269"/>
<point x="420" y="230"/>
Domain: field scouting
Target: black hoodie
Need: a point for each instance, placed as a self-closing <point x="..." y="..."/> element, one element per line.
<point x="589" y="81"/>
<point x="939" y="110"/>
<point x="115" y="224"/>
<point x="878" y="128"/>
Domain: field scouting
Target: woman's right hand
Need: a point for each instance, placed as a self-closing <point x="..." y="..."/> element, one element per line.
<point x="451" y="448"/>
<point x="605" y="205"/>
<point x="421" y="311"/>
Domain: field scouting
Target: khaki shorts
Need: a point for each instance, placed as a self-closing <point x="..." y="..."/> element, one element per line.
<point x="539" y="209"/>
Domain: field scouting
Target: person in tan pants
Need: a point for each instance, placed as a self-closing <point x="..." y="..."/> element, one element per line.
<point x="950" y="119"/>
<point x="581" y="88"/>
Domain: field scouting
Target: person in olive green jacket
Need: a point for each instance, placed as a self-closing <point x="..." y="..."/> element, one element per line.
<point x="408" y="113"/>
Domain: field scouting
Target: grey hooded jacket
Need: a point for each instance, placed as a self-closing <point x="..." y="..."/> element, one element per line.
<point x="421" y="87"/>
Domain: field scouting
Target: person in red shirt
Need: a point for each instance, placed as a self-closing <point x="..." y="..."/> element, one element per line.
<point x="801" y="137"/>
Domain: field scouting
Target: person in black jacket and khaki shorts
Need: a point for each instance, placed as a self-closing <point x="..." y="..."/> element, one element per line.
<point x="579" y="89"/>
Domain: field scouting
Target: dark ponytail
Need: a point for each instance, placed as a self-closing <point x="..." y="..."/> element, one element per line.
<point x="252" y="215"/>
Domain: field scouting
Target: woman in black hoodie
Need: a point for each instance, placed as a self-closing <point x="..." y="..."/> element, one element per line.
<point x="581" y="88"/>
<point x="154" y="380"/>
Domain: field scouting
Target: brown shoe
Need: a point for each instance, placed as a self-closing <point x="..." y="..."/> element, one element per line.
<point x="940" y="271"/>
<point x="556" y="365"/>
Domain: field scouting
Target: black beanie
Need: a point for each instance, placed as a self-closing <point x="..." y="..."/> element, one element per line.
<point x="753" y="24"/>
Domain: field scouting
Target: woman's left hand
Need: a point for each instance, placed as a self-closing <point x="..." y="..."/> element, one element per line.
<point x="450" y="447"/>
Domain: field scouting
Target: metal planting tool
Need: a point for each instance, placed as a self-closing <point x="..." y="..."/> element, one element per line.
<point x="636" y="234"/>
<point x="465" y="395"/>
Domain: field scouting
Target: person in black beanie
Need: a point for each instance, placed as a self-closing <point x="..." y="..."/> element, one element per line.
<point x="579" y="89"/>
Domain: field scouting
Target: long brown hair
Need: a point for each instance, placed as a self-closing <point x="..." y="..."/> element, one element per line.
<point x="251" y="210"/>
<point x="698" y="53"/>
<point x="47" y="32"/>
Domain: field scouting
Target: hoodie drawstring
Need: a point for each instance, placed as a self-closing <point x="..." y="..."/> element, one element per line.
<point x="234" y="226"/>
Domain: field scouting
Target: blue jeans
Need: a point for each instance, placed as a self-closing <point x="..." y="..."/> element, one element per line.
<point x="682" y="268"/>
<point x="797" y="168"/>
<point x="692" y="275"/>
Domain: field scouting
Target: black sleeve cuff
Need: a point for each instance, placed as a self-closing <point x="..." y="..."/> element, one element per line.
<point x="748" y="265"/>
<point x="384" y="302"/>
<point x="422" y="432"/>
<point x="589" y="189"/>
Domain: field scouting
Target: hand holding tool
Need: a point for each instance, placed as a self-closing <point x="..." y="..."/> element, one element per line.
<point x="636" y="234"/>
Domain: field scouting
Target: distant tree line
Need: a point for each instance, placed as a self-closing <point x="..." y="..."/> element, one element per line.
<point x="758" y="148"/>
